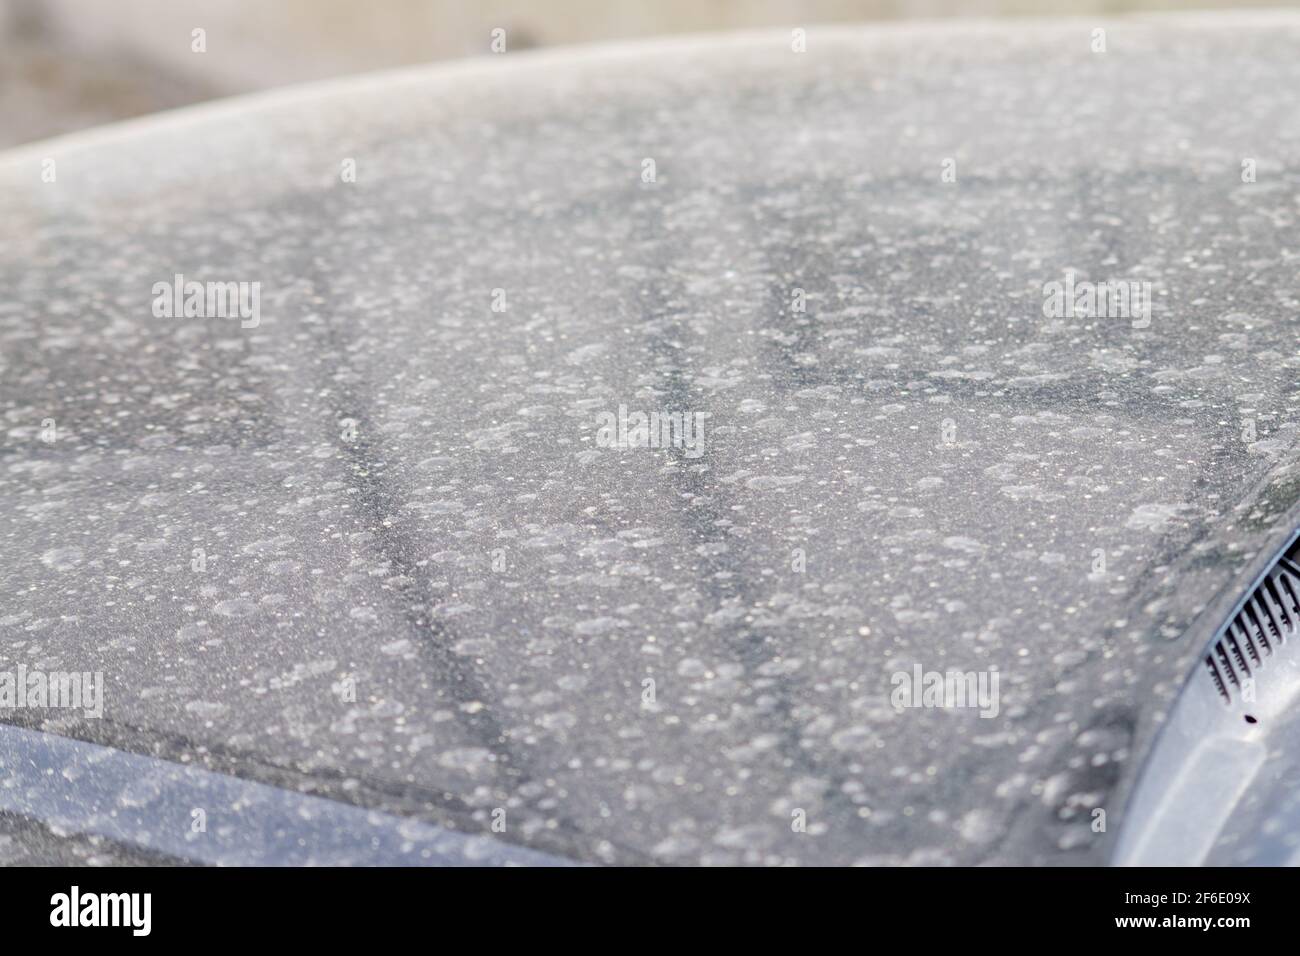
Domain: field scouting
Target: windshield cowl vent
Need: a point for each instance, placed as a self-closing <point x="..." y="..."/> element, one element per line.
<point x="1268" y="619"/>
<point x="1219" y="782"/>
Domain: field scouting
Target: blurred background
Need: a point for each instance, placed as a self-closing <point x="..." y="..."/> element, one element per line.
<point x="69" y="64"/>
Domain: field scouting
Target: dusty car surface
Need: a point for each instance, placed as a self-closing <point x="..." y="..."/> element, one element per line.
<point x="389" y="542"/>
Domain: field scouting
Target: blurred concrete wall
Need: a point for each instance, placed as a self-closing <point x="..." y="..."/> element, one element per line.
<point x="70" y="63"/>
<point x="266" y="42"/>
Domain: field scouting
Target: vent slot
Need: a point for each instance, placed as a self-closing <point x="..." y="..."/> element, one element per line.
<point x="1268" y="618"/>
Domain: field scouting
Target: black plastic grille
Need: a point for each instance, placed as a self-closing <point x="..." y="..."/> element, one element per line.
<point x="1269" y="618"/>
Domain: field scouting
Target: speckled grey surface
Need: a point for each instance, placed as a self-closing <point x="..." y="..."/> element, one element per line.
<point x="949" y="460"/>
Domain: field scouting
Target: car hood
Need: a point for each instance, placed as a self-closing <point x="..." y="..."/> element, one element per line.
<point x="375" y="546"/>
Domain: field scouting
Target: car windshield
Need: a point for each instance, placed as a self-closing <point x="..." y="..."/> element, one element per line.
<point x="623" y="449"/>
